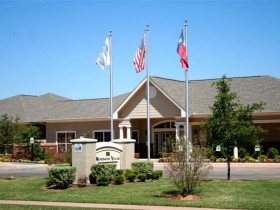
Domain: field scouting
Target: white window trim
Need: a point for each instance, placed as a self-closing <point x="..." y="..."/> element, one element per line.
<point x="67" y="131"/>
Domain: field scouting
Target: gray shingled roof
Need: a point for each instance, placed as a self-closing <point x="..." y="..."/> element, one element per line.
<point x="202" y="92"/>
<point x="201" y="96"/>
<point x="53" y="107"/>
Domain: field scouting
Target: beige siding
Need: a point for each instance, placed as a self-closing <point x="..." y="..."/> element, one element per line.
<point x="79" y="127"/>
<point x="160" y="107"/>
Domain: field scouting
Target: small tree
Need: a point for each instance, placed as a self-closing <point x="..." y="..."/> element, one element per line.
<point x="187" y="176"/>
<point x="29" y="131"/>
<point x="231" y="123"/>
<point x="9" y="132"/>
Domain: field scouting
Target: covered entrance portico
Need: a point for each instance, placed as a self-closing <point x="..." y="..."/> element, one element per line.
<point x="163" y="133"/>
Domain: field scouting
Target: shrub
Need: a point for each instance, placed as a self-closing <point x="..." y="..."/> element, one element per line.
<point x="142" y="166"/>
<point x="37" y="159"/>
<point x="92" y="179"/>
<point x="131" y="177"/>
<point x="272" y="152"/>
<point x="242" y="152"/>
<point x="53" y="157"/>
<point x="249" y="159"/>
<point x="119" y="180"/>
<point x="5" y="158"/>
<point x="157" y="174"/>
<point x="119" y="172"/>
<point x="102" y="181"/>
<point x="263" y="158"/>
<point x="186" y="176"/>
<point x="213" y="158"/>
<point x="38" y="152"/>
<point x="277" y="158"/>
<point x="130" y="171"/>
<point x="62" y="176"/>
<point x="142" y="177"/>
<point x="49" y="182"/>
<point x="108" y="170"/>
<point x="82" y="181"/>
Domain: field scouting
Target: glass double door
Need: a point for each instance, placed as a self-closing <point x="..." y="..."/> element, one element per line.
<point x="163" y="140"/>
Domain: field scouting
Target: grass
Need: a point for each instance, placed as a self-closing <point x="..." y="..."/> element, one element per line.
<point x="25" y="207"/>
<point x="253" y="194"/>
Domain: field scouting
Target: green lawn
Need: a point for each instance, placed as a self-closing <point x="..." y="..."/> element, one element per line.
<point x="262" y="194"/>
<point x="24" y="207"/>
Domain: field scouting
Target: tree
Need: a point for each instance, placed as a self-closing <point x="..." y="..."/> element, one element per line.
<point x="29" y="131"/>
<point x="231" y="123"/>
<point x="186" y="176"/>
<point x="9" y="132"/>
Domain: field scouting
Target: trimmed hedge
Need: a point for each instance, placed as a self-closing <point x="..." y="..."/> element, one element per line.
<point x="61" y="176"/>
<point x="142" y="166"/>
<point x="107" y="170"/>
<point x="119" y="179"/>
<point x="102" y="181"/>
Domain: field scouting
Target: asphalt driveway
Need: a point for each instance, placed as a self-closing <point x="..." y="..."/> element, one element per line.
<point x="238" y="170"/>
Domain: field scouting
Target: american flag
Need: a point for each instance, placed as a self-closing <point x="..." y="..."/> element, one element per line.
<point x="139" y="58"/>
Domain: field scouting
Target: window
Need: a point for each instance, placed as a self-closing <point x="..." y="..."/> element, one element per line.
<point x="166" y="125"/>
<point x="63" y="139"/>
<point x="102" y="136"/>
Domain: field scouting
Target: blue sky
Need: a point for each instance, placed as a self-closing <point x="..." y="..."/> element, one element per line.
<point x="51" y="46"/>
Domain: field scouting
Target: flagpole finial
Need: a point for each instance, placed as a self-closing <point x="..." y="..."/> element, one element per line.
<point x="147" y="27"/>
<point x="110" y="32"/>
<point x="186" y="22"/>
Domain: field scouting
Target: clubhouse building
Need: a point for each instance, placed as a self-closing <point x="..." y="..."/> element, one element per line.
<point x="63" y="119"/>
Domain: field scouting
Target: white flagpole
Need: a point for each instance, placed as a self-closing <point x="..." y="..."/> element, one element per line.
<point x="111" y="86"/>
<point x="148" y="91"/>
<point x="187" y="96"/>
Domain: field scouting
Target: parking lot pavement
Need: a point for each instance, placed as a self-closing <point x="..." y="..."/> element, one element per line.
<point x="17" y="169"/>
<point x="238" y="170"/>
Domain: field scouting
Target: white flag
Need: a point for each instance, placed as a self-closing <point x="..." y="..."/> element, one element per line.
<point x="104" y="57"/>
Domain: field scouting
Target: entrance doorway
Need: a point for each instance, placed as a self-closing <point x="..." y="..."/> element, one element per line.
<point x="163" y="140"/>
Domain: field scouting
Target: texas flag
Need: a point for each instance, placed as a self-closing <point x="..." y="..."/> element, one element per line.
<point x="182" y="51"/>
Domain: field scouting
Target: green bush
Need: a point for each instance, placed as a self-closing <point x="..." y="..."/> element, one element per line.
<point x="119" y="172"/>
<point x="242" y="152"/>
<point x="249" y="159"/>
<point x="119" y="179"/>
<point x="157" y="174"/>
<point x="277" y="158"/>
<point x="62" y="176"/>
<point x="102" y="181"/>
<point x="263" y="158"/>
<point x="130" y="171"/>
<point x="49" y="182"/>
<point x="142" y="166"/>
<point x="92" y="179"/>
<point x="38" y="153"/>
<point x="272" y="151"/>
<point x="142" y="177"/>
<point x="108" y="170"/>
<point x="213" y="158"/>
<point x="131" y="177"/>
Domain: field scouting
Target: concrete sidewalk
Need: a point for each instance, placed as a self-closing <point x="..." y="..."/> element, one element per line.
<point x="99" y="205"/>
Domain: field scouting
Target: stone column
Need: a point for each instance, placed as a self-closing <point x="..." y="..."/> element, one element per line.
<point x="177" y="132"/>
<point x="127" y="155"/>
<point x="235" y="152"/>
<point x="83" y="156"/>
<point x="128" y="132"/>
<point x="121" y="132"/>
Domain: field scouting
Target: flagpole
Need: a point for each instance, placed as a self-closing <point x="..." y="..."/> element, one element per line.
<point x="111" y="87"/>
<point x="187" y="96"/>
<point x="148" y="92"/>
